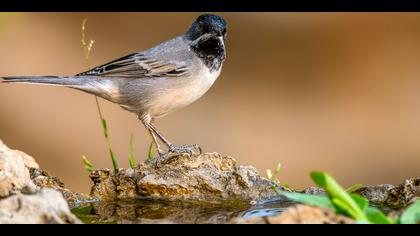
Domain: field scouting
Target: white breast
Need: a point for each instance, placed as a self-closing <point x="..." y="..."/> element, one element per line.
<point x="179" y="93"/>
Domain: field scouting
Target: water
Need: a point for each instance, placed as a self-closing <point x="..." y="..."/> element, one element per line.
<point x="194" y="212"/>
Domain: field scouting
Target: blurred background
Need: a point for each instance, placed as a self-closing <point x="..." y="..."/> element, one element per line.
<point x="338" y="92"/>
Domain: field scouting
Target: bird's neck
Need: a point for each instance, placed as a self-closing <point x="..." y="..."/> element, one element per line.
<point x="211" y="52"/>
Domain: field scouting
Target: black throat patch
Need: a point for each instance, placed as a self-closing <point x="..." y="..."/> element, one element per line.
<point x="212" y="52"/>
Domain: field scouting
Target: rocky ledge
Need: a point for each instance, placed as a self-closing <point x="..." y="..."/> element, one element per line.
<point x="395" y="197"/>
<point x="208" y="177"/>
<point x="21" y="200"/>
<point x="46" y="206"/>
<point x="213" y="189"/>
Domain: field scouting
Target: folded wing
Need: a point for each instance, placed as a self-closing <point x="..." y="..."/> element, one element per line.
<point x="137" y="65"/>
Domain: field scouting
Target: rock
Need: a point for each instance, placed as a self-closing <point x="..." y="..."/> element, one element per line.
<point x="299" y="214"/>
<point x="314" y="191"/>
<point x="44" y="207"/>
<point x="43" y="179"/>
<point x="14" y="176"/>
<point x="392" y="196"/>
<point x="27" y="160"/>
<point x="207" y="176"/>
<point x="303" y="214"/>
<point x="21" y="201"/>
<point x="377" y="194"/>
<point x="19" y="172"/>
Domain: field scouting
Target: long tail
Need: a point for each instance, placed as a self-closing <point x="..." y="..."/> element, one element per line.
<point x="105" y="88"/>
<point x="50" y="80"/>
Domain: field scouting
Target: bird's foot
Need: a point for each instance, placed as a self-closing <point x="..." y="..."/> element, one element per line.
<point x="161" y="156"/>
<point x="185" y="149"/>
<point x="175" y="151"/>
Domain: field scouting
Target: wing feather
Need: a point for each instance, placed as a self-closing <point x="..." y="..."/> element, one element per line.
<point x="137" y="65"/>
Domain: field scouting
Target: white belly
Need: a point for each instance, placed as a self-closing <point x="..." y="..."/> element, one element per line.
<point x="178" y="93"/>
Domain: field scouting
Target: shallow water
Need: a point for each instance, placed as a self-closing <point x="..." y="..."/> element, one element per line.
<point x="148" y="211"/>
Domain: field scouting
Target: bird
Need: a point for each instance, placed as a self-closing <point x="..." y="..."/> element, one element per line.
<point x="156" y="81"/>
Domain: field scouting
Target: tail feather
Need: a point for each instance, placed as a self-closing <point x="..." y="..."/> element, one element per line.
<point x="105" y="88"/>
<point x="51" y="80"/>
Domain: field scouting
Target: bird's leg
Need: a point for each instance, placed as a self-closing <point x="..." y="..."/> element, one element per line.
<point x="161" y="153"/>
<point x="146" y="120"/>
<point x="161" y="137"/>
<point x="172" y="148"/>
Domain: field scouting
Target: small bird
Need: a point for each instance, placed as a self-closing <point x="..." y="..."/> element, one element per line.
<point x="156" y="81"/>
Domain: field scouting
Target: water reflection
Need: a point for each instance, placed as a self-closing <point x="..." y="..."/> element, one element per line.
<point x="147" y="211"/>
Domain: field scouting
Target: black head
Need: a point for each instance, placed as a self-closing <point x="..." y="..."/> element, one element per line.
<point x="207" y="38"/>
<point x="207" y="24"/>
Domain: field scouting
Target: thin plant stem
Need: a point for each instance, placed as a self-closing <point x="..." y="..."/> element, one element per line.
<point x="87" y="47"/>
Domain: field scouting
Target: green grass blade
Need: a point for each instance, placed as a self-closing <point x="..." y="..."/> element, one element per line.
<point x="343" y="208"/>
<point x="412" y="214"/>
<point x="113" y="159"/>
<point x="132" y="160"/>
<point x="375" y="216"/>
<point x="105" y="131"/>
<point x="354" y="187"/>
<point x="362" y="202"/>
<point x="150" y="151"/>
<point x="339" y="195"/>
<point x="313" y="200"/>
<point x="88" y="164"/>
<point x="104" y="127"/>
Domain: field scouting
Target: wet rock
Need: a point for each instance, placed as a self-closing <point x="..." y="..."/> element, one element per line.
<point x="314" y="191"/>
<point x="43" y="179"/>
<point x="392" y="196"/>
<point x="44" y="207"/>
<point x="14" y="176"/>
<point x="208" y="177"/>
<point x="299" y="214"/>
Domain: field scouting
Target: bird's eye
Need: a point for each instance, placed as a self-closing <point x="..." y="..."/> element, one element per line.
<point x="201" y="27"/>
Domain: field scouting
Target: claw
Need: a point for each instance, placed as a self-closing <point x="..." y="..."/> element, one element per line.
<point x="162" y="158"/>
<point x="177" y="150"/>
<point x="185" y="149"/>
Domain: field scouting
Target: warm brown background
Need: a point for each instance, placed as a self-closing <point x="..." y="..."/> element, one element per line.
<point x="338" y="92"/>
